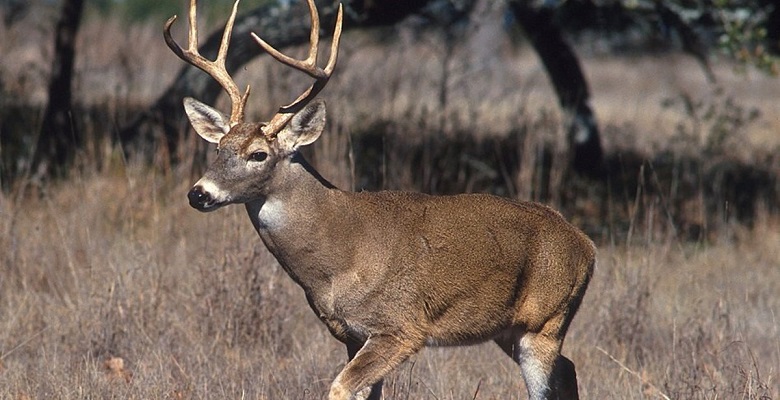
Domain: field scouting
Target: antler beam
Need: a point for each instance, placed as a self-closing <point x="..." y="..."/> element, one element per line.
<point x="308" y="66"/>
<point x="214" y="68"/>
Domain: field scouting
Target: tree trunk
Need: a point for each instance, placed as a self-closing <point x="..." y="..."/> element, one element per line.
<point x="59" y="139"/>
<point x="565" y="73"/>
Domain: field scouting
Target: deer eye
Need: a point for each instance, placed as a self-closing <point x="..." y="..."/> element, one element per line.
<point x="258" y="156"/>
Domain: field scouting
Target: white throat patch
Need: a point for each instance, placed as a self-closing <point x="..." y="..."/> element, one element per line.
<point x="267" y="215"/>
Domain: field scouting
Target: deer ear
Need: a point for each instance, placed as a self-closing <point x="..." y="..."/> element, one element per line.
<point x="305" y="127"/>
<point x="209" y="123"/>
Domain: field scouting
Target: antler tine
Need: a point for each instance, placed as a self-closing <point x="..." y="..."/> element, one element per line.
<point x="308" y="66"/>
<point x="216" y="69"/>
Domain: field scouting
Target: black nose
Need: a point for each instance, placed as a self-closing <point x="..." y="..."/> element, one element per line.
<point x="198" y="198"/>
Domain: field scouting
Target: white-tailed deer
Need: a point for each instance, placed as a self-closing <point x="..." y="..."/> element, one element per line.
<point x="391" y="272"/>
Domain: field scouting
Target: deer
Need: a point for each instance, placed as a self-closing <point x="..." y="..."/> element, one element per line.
<point x="390" y="272"/>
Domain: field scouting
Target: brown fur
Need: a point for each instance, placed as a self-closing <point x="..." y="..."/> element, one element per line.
<point x="391" y="272"/>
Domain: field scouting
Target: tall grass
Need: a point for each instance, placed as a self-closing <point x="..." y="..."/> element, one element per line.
<point x="114" y="264"/>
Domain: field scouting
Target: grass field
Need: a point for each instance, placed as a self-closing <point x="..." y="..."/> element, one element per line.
<point x="111" y="286"/>
<point x="116" y="264"/>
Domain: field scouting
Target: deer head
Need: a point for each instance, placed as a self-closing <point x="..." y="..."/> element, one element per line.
<point x="248" y="153"/>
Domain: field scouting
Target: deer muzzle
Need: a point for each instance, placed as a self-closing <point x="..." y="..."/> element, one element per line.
<point x="200" y="199"/>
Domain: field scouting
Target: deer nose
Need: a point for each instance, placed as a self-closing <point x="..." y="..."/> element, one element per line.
<point x="198" y="197"/>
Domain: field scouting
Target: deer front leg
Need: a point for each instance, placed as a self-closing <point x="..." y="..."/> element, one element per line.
<point x="378" y="356"/>
<point x="373" y="392"/>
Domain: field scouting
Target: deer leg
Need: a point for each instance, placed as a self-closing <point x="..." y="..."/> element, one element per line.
<point x="338" y="329"/>
<point x="363" y="374"/>
<point x="535" y="374"/>
<point x="373" y="392"/>
<point x="548" y="375"/>
<point x="566" y="379"/>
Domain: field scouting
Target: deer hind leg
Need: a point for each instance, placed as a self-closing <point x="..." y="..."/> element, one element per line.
<point x="566" y="379"/>
<point x="548" y="375"/>
<point x="362" y="376"/>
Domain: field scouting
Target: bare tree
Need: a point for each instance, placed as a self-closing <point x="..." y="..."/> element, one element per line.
<point x="58" y="139"/>
<point x="565" y="73"/>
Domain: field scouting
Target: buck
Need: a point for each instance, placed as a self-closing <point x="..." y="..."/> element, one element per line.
<point x="391" y="272"/>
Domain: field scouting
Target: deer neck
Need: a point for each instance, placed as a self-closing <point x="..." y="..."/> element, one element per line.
<point x="292" y="221"/>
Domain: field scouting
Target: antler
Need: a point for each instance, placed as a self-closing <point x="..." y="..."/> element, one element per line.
<point x="214" y="68"/>
<point x="308" y="66"/>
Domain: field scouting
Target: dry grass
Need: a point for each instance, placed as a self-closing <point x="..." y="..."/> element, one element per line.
<point x="115" y="265"/>
<point x="112" y="287"/>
